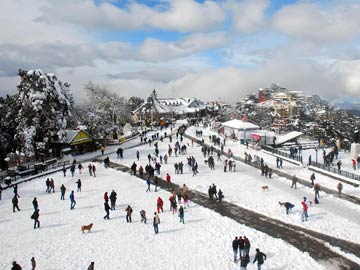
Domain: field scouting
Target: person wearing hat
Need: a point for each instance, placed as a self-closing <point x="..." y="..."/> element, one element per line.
<point x="260" y="258"/>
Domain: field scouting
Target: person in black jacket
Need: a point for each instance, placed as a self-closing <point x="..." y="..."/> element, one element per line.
<point x="260" y="258"/>
<point x="15" y="266"/>
<point x="15" y="203"/>
<point x="35" y="204"/>
<point x="244" y="261"/>
<point x="107" y="210"/>
<point x="235" y="246"/>
<point x="112" y="198"/>
<point x="35" y="217"/>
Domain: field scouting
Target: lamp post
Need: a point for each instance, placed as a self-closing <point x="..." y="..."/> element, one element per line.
<point x="316" y="151"/>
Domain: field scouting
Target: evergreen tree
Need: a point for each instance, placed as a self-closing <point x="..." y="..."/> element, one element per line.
<point x="44" y="105"/>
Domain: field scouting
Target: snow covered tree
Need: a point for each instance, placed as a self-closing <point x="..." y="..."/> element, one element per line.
<point x="44" y="104"/>
<point x="104" y="112"/>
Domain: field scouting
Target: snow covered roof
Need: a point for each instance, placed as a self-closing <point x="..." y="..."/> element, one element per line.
<point x="238" y="124"/>
<point x="287" y="137"/>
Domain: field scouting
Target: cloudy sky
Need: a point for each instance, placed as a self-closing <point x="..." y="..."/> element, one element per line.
<point x="210" y="49"/>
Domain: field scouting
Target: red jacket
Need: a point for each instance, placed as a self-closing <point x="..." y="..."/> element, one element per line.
<point x="160" y="202"/>
<point x="304" y="205"/>
<point x="106" y="197"/>
<point x="168" y="178"/>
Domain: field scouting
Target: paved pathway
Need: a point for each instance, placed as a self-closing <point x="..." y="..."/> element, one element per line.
<point x="305" y="240"/>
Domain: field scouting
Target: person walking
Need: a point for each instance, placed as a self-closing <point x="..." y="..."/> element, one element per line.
<point x="35" y="217"/>
<point x="312" y="179"/>
<point x="33" y="263"/>
<point x="90" y="169"/>
<point x="143" y="216"/>
<point x="62" y="190"/>
<point x="168" y="180"/>
<point x="35" y="204"/>
<point x="260" y="257"/>
<point x="72" y="200"/>
<point x="293" y="182"/>
<point x="15" y="203"/>
<point x="244" y="261"/>
<point x="181" y="214"/>
<point x="156" y="183"/>
<point x="148" y="182"/>
<point x="91" y="266"/>
<point x="339" y="188"/>
<point x="78" y="182"/>
<point x="128" y="213"/>
<point x="235" y="246"/>
<point x="113" y="197"/>
<point x="246" y="246"/>
<point x="107" y="210"/>
<point x="80" y="167"/>
<point x="156" y="223"/>
<point x="317" y="190"/>
<point x="106" y="197"/>
<point x="304" y="215"/>
<point x="52" y="185"/>
<point x="64" y="170"/>
<point x="160" y="204"/>
<point x="137" y="155"/>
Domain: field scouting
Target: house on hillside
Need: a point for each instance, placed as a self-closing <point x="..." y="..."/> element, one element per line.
<point x="155" y="109"/>
<point x="76" y="142"/>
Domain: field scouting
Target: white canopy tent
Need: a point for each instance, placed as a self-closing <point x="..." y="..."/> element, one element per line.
<point x="238" y="129"/>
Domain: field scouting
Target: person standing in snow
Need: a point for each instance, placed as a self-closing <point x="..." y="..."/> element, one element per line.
<point x="128" y="213"/>
<point x="15" y="266"/>
<point x="312" y="178"/>
<point x="156" y="223"/>
<point x="304" y="215"/>
<point x="33" y="263"/>
<point x="244" y="261"/>
<point x="260" y="258"/>
<point x="168" y="180"/>
<point x="293" y="182"/>
<point x="148" y="182"/>
<point x="317" y="190"/>
<point x="80" y="167"/>
<point x="246" y="245"/>
<point x="62" y="190"/>
<point x="35" y="204"/>
<point x="15" y="203"/>
<point x="107" y="210"/>
<point x="78" y="182"/>
<point x="113" y="197"/>
<point x="181" y="214"/>
<point x="35" y="217"/>
<point x="72" y="200"/>
<point x="339" y="188"/>
<point x="94" y="170"/>
<point x="64" y="170"/>
<point x="91" y="266"/>
<point x="156" y="183"/>
<point x="160" y="204"/>
<point x="52" y="185"/>
<point x="143" y="216"/>
<point x="235" y="246"/>
<point x="90" y="169"/>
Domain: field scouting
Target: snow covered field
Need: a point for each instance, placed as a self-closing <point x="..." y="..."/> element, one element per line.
<point x="203" y="242"/>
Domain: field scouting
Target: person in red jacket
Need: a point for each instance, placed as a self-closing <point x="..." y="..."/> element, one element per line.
<point x="168" y="180"/>
<point x="304" y="214"/>
<point x="106" y="197"/>
<point x="160" y="204"/>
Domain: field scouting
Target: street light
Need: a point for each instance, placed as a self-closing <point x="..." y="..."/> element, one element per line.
<point x="316" y="150"/>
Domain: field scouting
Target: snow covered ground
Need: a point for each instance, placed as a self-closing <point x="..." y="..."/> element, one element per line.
<point x="203" y="242"/>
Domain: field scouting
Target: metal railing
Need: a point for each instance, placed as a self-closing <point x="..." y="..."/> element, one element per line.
<point x="346" y="174"/>
<point x="283" y="154"/>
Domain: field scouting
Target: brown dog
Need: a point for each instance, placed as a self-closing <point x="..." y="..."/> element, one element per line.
<point x="265" y="188"/>
<point x="86" y="228"/>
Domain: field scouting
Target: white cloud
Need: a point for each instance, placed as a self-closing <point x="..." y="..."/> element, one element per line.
<point x="249" y="16"/>
<point x="180" y="15"/>
<point x="338" y="22"/>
